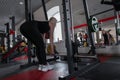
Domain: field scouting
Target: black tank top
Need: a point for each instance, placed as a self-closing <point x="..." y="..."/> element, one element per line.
<point x="43" y="26"/>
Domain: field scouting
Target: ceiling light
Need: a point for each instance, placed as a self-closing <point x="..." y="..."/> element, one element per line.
<point x="21" y="3"/>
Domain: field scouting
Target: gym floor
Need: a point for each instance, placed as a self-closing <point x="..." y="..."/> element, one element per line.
<point x="107" y="69"/>
<point x="12" y="71"/>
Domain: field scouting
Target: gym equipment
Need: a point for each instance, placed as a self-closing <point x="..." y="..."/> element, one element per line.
<point x="29" y="16"/>
<point x="49" y="49"/>
<point x="118" y="23"/>
<point x="116" y="4"/>
<point x="86" y="56"/>
<point x="8" y="36"/>
<point x="6" y="56"/>
<point x="67" y="23"/>
<point x="13" y="28"/>
<point x="89" y="67"/>
<point x="55" y="55"/>
<point x="44" y="9"/>
<point x="92" y="50"/>
<point x="94" y="24"/>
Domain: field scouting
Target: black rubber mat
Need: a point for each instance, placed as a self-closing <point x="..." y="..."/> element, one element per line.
<point x="7" y="69"/>
<point x="109" y="70"/>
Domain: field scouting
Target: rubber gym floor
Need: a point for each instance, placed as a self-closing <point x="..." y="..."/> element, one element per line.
<point x="107" y="69"/>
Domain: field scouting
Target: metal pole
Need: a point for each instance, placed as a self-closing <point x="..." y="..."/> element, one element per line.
<point x="46" y="16"/>
<point x="116" y="25"/>
<point x="13" y="28"/>
<point x="44" y="8"/>
<point x="67" y="25"/>
<point x="27" y="16"/>
<point x="72" y="28"/>
<point x="26" y="10"/>
<point x="30" y="10"/>
<point x="118" y="20"/>
<point x="8" y="38"/>
<point x="89" y="31"/>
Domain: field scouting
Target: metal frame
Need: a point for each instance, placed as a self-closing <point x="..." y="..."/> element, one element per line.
<point x="89" y="29"/>
<point x="102" y="12"/>
<point x="67" y="25"/>
<point x="26" y="10"/>
<point x="116" y="13"/>
<point x="69" y="46"/>
<point x="44" y="9"/>
<point x="8" y="38"/>
<point x="28" y="18"/>
<point x="13" y="28"/>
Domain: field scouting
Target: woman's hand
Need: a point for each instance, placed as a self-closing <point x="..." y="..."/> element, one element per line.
<point x="52" y="48"/>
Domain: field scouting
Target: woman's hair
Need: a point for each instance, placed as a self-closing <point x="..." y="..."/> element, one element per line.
<point x="53" y="19"/>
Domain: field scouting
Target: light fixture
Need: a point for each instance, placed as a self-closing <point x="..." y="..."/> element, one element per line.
<point x="21" y="3"/>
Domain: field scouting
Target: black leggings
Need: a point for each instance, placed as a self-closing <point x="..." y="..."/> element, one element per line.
<point x="31" y="32"/>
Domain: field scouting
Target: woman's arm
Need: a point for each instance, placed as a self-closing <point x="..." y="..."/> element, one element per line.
<point x="51" y="39"/>
<point x="52" y="24"/>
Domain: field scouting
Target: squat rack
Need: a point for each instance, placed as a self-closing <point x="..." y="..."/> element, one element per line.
<point x="69" y="46"/>
<point x="67" y="23"/>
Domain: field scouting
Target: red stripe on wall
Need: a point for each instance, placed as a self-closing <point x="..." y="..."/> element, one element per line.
<point x="79" y="26"/>
<point x="101" y="20"/>
<point x="107" y="19"/>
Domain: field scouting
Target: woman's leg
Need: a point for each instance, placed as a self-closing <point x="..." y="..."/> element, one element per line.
<point x="33" y="35"/>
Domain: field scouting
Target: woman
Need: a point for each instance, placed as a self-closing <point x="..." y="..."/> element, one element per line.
<point x="35" y="31"/>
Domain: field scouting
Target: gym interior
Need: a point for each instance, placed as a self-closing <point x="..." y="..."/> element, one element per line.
<point x="86" y="40"/>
